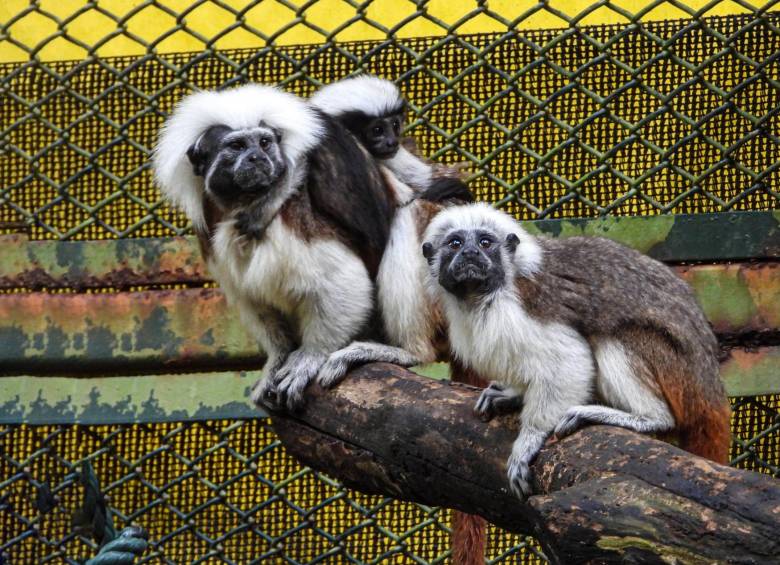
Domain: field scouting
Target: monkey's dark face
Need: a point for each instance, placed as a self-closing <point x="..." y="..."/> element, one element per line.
<point x="471" y="262"/>
<point x="379" y="135"/>
<point x="238" y="165"/>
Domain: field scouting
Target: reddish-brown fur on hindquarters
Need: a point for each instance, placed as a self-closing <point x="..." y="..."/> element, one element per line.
<point x="686" y="375"/>
<point x="469" y="531"/>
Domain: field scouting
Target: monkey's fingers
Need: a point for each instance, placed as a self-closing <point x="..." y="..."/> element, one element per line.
<point x="519" y="475"/>
<point x="290" y="391"/>
<point x="263" y="394"/>
<point x="496" y="400"/>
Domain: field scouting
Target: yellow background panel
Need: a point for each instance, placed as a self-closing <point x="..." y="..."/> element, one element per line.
<point x="131" y="27"/>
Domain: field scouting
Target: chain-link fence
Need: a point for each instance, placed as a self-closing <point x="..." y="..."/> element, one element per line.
<point x="557" y="109"/>
<point x="636" y="117"/>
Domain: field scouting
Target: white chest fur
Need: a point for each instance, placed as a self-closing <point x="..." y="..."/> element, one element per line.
<point x="286" y="272"/>
<point x="502" y="342"/>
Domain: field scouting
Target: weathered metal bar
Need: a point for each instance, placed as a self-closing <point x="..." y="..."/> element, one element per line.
<point x="726" y="236"/>
<point x="126" y="400"/>
<point x="121" y="332"/>
<point x="206" y="396"/>
<point x="138" y="262"/>
<point x="119" y="263"/>
<point x="127" y="331"/>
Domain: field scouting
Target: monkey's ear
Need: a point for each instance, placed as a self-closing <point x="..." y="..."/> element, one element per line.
<point x="427" y="250"/>
<point x="197" y="157"/>
<point x="512" y="241"/>
<point x="200" y="152"/>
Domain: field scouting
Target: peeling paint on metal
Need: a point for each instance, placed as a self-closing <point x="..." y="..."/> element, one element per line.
<point x="145" y="398"/>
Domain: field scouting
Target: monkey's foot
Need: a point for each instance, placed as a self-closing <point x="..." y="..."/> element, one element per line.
<point x="519" y="475"/>
<point x="497" y="399"/>
<point x="293" y="378"/>
<point x="572" y="420"/>
<point x="340" y="362"/>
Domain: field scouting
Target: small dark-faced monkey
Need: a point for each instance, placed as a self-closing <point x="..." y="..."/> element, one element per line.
<point x="586" y="330"/>
<point x="293" y="217"/>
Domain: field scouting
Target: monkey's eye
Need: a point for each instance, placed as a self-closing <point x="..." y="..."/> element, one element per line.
<point x="396" y="125"/>
<point x="485" y="243"/>
<point x="377" y="130"/>
<point x="237" y="145"/>
<point x="455" y="243"/>
<point x="265" y="142"/>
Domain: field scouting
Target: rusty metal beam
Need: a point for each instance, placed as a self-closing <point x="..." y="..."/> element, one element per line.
<point x="124" y="263"/>
<point x="155" y="330"/>
<point x="121" y="332"/>
<point x="79" y="265"/>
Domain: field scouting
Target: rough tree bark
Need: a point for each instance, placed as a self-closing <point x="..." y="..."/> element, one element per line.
<point x="605" y="495"/>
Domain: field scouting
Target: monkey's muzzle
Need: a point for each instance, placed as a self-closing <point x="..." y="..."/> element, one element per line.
<point x="466" y="269"/>
<point x="256" y="175"/>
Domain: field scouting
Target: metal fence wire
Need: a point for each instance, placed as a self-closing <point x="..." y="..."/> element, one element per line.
<point x="557" y="109"/>
<point x="637" y="117"/>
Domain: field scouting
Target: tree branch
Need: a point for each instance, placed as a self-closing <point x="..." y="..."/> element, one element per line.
<point x="604" y="494"/>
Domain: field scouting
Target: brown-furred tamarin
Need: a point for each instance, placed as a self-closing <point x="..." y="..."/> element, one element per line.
<point x="584" y="330"/>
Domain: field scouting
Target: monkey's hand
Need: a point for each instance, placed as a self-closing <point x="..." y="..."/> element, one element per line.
<point x="519" y="475"/>
<point x="295" y="375"/>
<point x="263" y="391"/>
<point x="359" y="353"/>
<point x="497" y="399"/>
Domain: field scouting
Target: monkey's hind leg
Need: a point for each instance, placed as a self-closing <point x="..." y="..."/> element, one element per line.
<point x="359" y="353"/>
<point x="627" y="384"/>
<point x="497" y="399"/>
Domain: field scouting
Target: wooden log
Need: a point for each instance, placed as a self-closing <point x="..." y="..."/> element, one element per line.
<point x="604" y="495"/>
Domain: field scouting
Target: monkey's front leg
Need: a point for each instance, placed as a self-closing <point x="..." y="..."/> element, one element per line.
<point x="497" y="399"/>
<point x="271" y="330"/>
<point x="545" y="402"/>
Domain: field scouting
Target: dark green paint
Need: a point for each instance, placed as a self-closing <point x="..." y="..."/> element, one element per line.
<point x="685" y="237"/>
<point x="12" y="340"/>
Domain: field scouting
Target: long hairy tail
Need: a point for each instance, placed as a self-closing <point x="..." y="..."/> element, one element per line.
<point x="468" y="539"/>
<point x="709" y="435"/>
<point x="469" y="532"/>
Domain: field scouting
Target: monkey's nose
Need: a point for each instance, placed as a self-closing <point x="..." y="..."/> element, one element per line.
<point x="252" y="157"/>
<point x="470" y="252"/>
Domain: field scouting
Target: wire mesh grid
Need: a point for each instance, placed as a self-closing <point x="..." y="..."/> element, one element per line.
<point x="220" y="491"/>
<point x="642" y="117"/>
<point x="226" y="492"/>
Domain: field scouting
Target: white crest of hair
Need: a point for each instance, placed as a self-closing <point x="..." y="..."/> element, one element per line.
<point x="527" y="256"/>
<point x="369" y="94"/>
<point x="410" y="169"/>
<point x="401" y="281"/>
<point x="239" y="108"/>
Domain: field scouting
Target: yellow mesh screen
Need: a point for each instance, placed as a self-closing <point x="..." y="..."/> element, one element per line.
<point x="562" y="132"/>
<point x="223" y="487"/>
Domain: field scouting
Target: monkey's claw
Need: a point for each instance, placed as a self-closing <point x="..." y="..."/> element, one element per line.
<point x="497" y="399"/>
<point x="570" y="423"/>
<point x="332" y="372"/>
<point x="519" y="475"/>
<point x="262" y="393"/>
